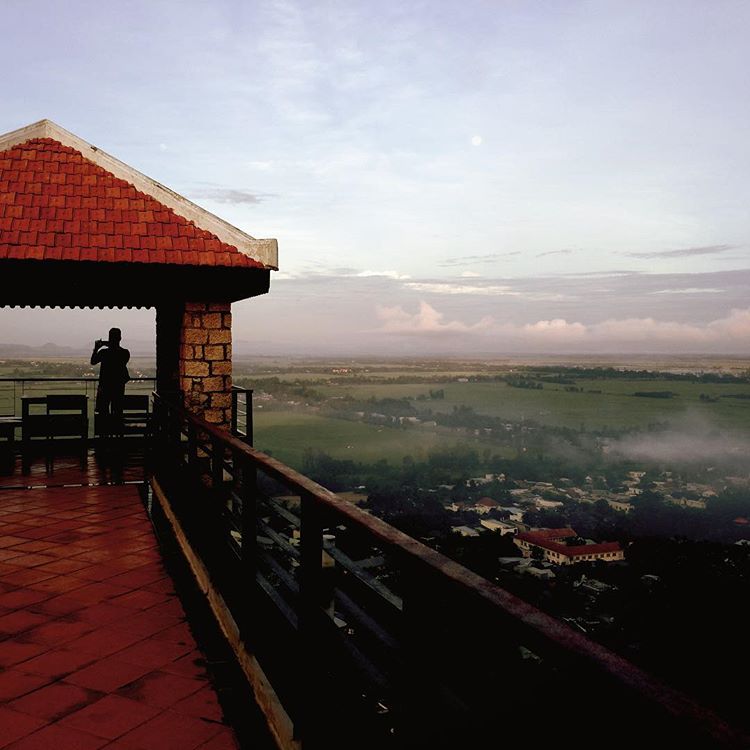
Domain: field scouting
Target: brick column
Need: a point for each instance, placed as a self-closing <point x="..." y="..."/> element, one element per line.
<point x="205" y="361"/>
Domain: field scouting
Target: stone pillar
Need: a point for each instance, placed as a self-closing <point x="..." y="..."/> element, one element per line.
<point x="205" y="360"/>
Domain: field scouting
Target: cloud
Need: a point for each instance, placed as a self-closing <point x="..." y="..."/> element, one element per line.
<point x="386" y="274"/>
<point x="690" y="290"/>
<point x="230" y="195"/>
<point x="449" y="287"/>
<point x="482" y="290"/>
<point x="554" y="329"/>
<point x="558" y="333"/>
<point x="427" y="320"/>
<point x="470" y="260"/>
<point x="684" y="252"/>
<point x="554" y="252"/>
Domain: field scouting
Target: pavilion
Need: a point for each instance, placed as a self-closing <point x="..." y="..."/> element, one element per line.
<point x="78" y="228"/>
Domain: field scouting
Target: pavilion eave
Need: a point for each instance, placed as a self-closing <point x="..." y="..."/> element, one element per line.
<point x="60" y="283"/>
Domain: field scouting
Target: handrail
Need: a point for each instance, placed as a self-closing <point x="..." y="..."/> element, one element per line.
<point x="544" y="629"/>
<point x="86" y="379"/>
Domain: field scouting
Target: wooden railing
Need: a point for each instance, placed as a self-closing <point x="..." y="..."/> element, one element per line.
<point x="370" y="639"/>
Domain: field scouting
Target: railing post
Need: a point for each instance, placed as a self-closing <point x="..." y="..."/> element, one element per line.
<point x="233" y="427"/>
<point x="249" y="427"/>
<point x="418" y="701"/>
<point x="310" y="698"/>
<point x="217" y="466"/>
<point x="192" y="450"/>
<point x="248" y="522"/>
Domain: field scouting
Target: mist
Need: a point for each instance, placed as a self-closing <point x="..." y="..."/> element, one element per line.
<point x="690" y="440"/>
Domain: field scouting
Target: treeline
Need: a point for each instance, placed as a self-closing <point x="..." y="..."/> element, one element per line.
<point x="613" y="373"/>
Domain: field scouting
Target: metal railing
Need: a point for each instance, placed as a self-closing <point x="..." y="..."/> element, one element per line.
<point x="13" y="390"/>
<point x="242" y="413"/>
<point x="371" y="639"/>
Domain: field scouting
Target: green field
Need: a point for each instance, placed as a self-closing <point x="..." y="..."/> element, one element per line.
<point x="287" y="435"/>
<point x="614" y="407"/>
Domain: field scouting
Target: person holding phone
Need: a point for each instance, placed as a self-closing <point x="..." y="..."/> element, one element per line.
<point x="113" y="375"/>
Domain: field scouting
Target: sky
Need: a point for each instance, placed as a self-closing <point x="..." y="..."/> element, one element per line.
<point x="488" y="178"/>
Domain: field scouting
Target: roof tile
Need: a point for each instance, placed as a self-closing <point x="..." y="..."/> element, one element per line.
<point x="56" y="204"/>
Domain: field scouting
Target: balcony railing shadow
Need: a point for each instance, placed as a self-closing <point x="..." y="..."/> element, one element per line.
<point x="356" y="635"/>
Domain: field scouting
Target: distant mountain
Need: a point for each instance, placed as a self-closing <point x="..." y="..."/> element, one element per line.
<point x="49" y="349"/>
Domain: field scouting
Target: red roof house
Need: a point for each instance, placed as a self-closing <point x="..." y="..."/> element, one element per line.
<point x="556" y="551"/>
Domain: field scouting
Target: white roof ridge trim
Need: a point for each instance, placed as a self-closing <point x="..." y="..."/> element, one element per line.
<point x="264" y="251"/>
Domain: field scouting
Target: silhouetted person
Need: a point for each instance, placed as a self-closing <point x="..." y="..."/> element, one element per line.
<point x="113" y="375"/>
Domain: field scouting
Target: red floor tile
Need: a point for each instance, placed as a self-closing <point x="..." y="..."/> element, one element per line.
<point x="96" y="572"/>
<point x="59" y="737"/>
<point x="14" y="684"/>
<point x="201" y="705"/>
<point x="25" y="576"/>
<point x="58" y="632"/>
<point x="161" y="689"/>
<point x="110" y="717"/>
<point x="191" y="665"/>
<point x="57" y="662"/>
<point x="139" y="599"/>
<point x="225" y="740"/>
<point x="54" y="701"/>
<point x="64" y="566"/>
<point x="8" y="540"/>
<point x="171" y="731"/>
<point x="13" y="651"/>
<point x="22" y="598"/>
<point x="163" y="586"/>
<point x="63" y="604"/>
<point x="179" y="633"/>
<point x="171" y="606"/>
<point x="146" y="624"/>
<point x="102" y="613"/>
<point x="32" y="559"/>
<point x="16" y="725"/>
<point x="154" y="653"/>
<point x="108" y="674"/>
<point x="57" y="584"/>
<point x="9" y="554"/>
<point x="99" y="591"/>
<point x="33" y="546"/>
<point x="104" y="641"/>
<point x="19" y="621"/>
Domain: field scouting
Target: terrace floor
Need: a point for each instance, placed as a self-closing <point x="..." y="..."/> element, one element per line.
<point x="95" y="649"/>
<point x="99" y="468"/>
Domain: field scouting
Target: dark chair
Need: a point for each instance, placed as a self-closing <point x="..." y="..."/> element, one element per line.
<point x="67" y="419"/>
<point x="33" y="427"/>
<point x="8" y="443"/>
<point x="136" y="415"/>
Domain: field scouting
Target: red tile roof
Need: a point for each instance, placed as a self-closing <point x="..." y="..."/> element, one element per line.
<point x="488" y="502"/>
<point x="546" y="538"/>
<point x="57" y="205"/>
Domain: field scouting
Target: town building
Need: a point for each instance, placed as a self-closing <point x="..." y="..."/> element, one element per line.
<point x="554" y="549"/>
<point x="500" y="526"/>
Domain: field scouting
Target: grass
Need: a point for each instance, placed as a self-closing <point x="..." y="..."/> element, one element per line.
<point x="614" y="407"/>
<point x="287" y="435"/>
